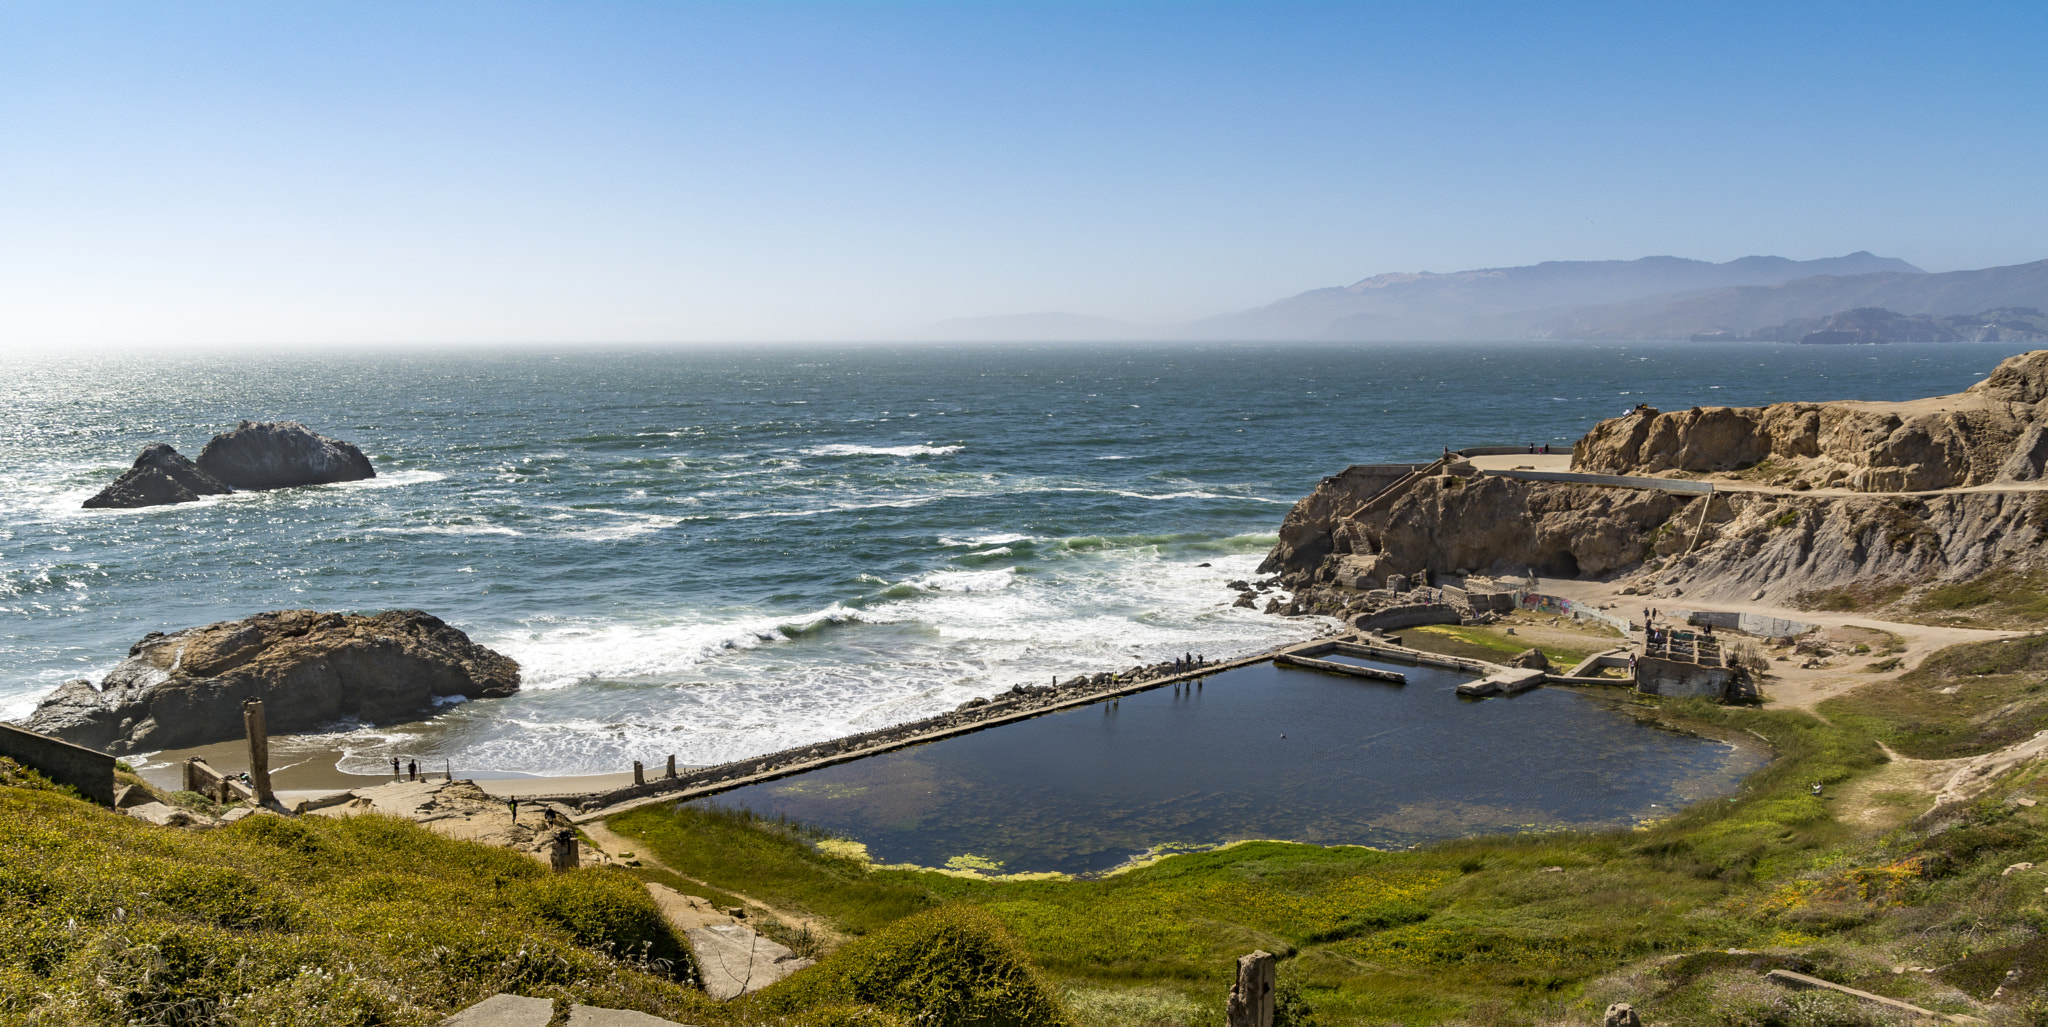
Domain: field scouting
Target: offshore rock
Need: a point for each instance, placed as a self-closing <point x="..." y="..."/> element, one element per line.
<point x="161" y="475"/>
<point x="281" y="454"/>
<point x="310" y="669"/>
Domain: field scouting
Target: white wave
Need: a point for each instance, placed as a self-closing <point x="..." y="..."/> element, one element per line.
<point x="965" y="581"/>
<point x="446" y="529"/>
<point x="842" y="449"/>
<point x="985" y="540"/>
<point x="557" y="657"/>
<point x="393" y="479"/>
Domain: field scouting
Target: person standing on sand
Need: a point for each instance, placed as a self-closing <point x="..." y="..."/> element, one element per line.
<point x="412" y="770"/>
<point x="513" y="805"/>
<point x="394" y="768"/>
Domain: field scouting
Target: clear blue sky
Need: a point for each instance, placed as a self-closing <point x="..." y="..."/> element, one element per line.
<point x="314" y="172"/>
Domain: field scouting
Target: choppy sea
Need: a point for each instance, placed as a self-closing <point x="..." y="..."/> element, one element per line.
<point x="715" y="552"/>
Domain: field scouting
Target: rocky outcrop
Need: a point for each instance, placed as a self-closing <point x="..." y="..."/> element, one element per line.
<point x="1306" y="536"/>
<point x="161" y="475"/>
<point x="281" y="454"/>
<point x="310" y="669"/>
<point x="1481" y="524"/>
<point x="1344" y="546"/>
<point x="1985" y="434"/>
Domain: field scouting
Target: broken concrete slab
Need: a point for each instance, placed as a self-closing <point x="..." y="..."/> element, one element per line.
<point x="505" y="1011"/>
<point x="735" y="961"/>
<point x="592" y="1016"/>
<point x="168" y="816"/>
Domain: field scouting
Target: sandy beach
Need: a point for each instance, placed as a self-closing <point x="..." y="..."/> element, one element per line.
<point x="307" y="765"/>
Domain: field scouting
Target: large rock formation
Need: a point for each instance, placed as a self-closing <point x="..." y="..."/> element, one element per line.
<point x="310" y="669"/>
<point x="1989" y="433"/>
<point x="1481" y="524"/>
<point x="281" y="454"/>
<point x="1305" y="537"/>
<point x="161" y="475"/>
<point x="1354" y="533"/>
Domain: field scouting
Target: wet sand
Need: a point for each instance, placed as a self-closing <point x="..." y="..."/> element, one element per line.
<point x="309" y="765"/>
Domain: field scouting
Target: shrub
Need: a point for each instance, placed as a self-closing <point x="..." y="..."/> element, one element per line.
<point x="609" y="910"/>
<point x="954" y="966"/>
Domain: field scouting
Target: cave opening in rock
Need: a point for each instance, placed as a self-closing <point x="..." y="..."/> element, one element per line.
<point x="1562" y="565"/>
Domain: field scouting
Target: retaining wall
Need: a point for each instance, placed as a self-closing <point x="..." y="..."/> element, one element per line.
<point x="1408" y="617"/>
<point x="88" y="770"/>
<point x="1621" y="481"/>
<point x="1747" y="623"/>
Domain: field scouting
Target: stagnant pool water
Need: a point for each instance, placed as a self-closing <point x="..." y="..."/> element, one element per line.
<point x="1260" y="752"/>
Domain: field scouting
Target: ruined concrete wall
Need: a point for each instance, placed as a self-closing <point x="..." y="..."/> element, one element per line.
<point x="1408" y="617"/>
<point x="1672" y="678"/>
<point x="88" y="770"/>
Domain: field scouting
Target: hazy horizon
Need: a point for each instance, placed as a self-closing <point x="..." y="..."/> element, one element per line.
<point x="226" y="175"/>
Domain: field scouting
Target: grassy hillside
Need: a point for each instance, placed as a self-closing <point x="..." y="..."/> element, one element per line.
<point x="1965" y="700"/>
<point x="311" y="922"/>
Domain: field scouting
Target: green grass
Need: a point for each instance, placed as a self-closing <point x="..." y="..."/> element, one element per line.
<point x="1998" y="699"/>
<point x="108" y="920"/>
<point x="1414" y="935"/>
<point x="1999" y="598"/>
<point x="773" y="861"/>
<point x="374" y="921"/>
<point x="1490" y="644"/>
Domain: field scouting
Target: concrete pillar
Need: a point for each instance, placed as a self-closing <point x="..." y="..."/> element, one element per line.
<point x="259" y="751"/>
<point x="562" y="852"/>
<point x="671" y="766"/>
<point x="639" y="775"/>
<point x="1251" y="998"/>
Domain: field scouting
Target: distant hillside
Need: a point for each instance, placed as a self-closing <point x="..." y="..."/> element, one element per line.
<point x="1650" y="298"/>
<point x="1747" y="308"/>
<point x="1878" y="325"/>
<point x="1497" y="303"/>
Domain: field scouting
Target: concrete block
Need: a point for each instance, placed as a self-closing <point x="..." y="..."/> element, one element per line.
<point x="505" y="1011"/>
<point x="736" y="961"/>
<point x="591" y="1016"/>
<point x="88" y="770"/>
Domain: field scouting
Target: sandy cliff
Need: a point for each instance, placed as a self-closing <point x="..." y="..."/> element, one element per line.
<point x="1995" y="431"/>
<point x="1773" y="539"/>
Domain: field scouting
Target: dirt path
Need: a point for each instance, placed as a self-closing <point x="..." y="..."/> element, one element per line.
<point x="611" y="843"/>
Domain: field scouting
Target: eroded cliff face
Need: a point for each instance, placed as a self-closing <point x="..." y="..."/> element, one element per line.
<point x="1499" y="526"/>
<point x="1775" y="548"/>
<point x="1306" y="536"/>
<point x="1732" y="546"/>
<point x="1992" y="432"/>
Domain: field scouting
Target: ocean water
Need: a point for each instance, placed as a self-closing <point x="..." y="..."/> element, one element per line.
<point x="716" y="552"/>
<point x="1258" y="752"/>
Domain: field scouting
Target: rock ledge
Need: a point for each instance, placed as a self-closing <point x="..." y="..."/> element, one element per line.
<point x="310" y="669"/>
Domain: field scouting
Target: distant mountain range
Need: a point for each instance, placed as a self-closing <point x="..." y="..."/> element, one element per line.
<point x="1877" y="325"/>
<point x="1650" y="298"/>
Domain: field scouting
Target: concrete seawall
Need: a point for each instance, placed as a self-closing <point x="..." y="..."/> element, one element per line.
<point x="88" y="770"/>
